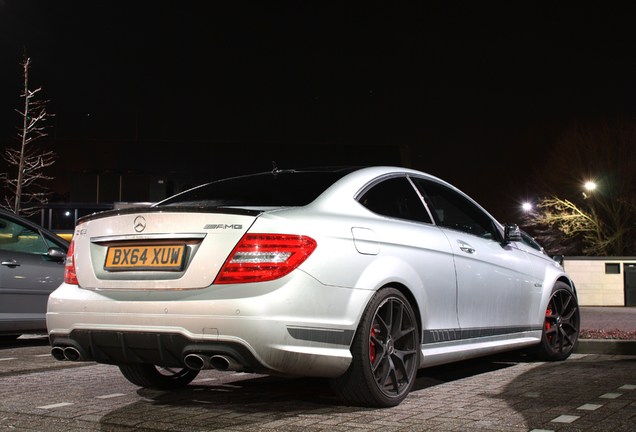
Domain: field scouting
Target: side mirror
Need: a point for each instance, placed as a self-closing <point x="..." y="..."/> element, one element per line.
<point x="56" y="254"/>
<point x="512" y="233"/>
<point x="559" y="259"/>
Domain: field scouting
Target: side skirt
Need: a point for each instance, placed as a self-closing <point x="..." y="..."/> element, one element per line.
<point x="436" y="353"/>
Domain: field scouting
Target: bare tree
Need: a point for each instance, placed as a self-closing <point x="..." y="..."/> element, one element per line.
<point x="564" y="227"/>
<point x="27" y="191"/>
<point x="570" y="220"/>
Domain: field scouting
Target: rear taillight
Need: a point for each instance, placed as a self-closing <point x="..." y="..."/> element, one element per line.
<point x="69" y="267"/>
<point x="264" y="257"/>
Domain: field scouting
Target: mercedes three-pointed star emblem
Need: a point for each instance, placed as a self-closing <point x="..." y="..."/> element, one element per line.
<point x="140" y="223"/>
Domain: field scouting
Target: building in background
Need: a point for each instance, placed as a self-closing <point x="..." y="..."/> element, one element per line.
<point x="603" y="281"/>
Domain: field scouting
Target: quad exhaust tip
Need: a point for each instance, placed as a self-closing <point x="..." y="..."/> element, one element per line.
<point x="219" y="362"/>
<point x="192" y="361"/>
<point x="197" y="361"/>
<point x="225" y="363"/>
<point x="66" y="353"/>
<point x="58" y="353"/>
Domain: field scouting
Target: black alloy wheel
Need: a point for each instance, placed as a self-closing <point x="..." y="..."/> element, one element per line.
<point x="385" y="353"/>
<point x="561" y="325"/>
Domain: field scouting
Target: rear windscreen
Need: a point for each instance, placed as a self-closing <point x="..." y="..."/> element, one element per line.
<point x="284" y="188"/>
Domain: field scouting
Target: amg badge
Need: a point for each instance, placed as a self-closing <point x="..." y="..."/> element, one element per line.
<point x="223" y="226"/>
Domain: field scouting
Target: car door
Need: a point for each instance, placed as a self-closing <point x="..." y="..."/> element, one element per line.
<point x="411" y="235"/>
<point x="497" y="284"/>
<point x="28" y="274"/>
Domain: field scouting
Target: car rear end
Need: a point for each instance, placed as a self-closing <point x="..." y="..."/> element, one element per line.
<point x="202" y="287"/>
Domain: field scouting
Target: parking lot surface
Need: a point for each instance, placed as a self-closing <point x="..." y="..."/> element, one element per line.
<point x="588" y="392"/>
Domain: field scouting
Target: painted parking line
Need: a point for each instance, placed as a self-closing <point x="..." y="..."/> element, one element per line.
<point x="63" y="404"/>
<point x="112" y="395"/>
<point x="565" y="419"/>
<point x="586" y="407"/>
<point x="610" y="395"/>
<point x="589" y="407"/>
<point x="57" y="405"/>
<point x="8" y="358"/>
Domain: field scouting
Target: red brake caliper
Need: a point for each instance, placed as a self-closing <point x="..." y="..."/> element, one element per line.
<point x="548" y="326"/>
<point x="372" y="345"/>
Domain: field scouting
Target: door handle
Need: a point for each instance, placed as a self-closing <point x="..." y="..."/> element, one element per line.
<point x="465" y="247"/>
<point x="10" y="263"/>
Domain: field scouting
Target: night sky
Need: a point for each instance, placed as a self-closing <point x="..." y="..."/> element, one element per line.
<point x="474" y="92"/>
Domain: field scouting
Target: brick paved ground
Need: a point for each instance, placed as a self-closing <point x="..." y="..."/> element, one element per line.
<point x="588" y="392"/>
<point x="584" y="393"/>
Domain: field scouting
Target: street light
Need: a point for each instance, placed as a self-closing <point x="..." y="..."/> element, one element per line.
<point x="589" y="186"/>
<point x="526" y="206"/>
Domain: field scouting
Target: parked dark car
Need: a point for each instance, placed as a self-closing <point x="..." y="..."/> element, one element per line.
<point x="31" y="267"/>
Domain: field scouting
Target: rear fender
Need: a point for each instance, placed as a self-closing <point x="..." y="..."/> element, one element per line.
<point x="390" y="271"/>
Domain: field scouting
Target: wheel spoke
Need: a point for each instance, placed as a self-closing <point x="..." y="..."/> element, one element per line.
<point x="397" y="322"/>
<point x="384" y="327"/>
<point x="404" y="332"/>
<point x="571" y="327"/>
<point x="570" y="315"/>
<point x="380" y="357"/>
<point x="388" y="310"/>
<point x="558" y="302"/>
<point x="566" y="337"/>
<point x="400" y="359"/>
<point x="389" y="379"/>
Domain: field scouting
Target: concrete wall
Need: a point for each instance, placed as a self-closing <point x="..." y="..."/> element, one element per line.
<point x="594" y="285"/>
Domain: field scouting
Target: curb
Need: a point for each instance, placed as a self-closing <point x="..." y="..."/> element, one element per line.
<point x="606" y="346"/>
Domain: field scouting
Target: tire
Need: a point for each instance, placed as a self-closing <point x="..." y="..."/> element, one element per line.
<point x="561" y="325"/>
<point x="156" y="377"/>
<point x="386" y="353"/>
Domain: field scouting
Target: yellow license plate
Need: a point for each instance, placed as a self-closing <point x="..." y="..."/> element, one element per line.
<point x="145" y="257"/>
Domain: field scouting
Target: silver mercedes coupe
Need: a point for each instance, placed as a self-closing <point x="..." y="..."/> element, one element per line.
<point x="358" y="275"/>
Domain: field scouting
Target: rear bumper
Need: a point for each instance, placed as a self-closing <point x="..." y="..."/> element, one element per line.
<point x="163" y="349"/>
<point x="300" y="328"/>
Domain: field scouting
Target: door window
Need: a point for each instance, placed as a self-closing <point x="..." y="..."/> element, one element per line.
<point x="453" y="210"/>
<point x="15" y="237"/>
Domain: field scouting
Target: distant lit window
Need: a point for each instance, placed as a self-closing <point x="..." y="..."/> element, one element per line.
<point x="612" y="268"/>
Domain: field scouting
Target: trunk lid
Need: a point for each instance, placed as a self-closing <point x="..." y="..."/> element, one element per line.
<point x="156" y="248"/>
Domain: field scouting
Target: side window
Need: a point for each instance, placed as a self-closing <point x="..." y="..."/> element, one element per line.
<point x="19" y="238"/>
<point x="452" y="210"/>
<point x="395" y="197"/>
<point x="528" y="240"/>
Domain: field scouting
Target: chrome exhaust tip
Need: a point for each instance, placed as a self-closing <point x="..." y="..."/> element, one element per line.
<point x="58" y="353"/>
<point x="72" y="354"/>
<point x="225" y="363"/>
<point x="197" y="362"/>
